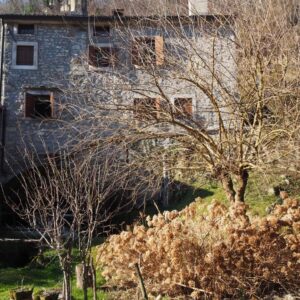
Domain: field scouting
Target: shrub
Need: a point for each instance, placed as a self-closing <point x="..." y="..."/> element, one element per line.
<point x="221" y="254"/>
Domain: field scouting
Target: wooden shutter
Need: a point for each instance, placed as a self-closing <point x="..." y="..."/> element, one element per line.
<point x="29" y="105"/>
<point x="25" y="55"/>
<point x="135" y="59"/>
<point x="92" y="56"/>
<point x="105" y="58"/>
<point x="184" y="105"/>
<point x="113" y="56"/>
<point x="157" y="106"/>
<point x="159" y="50"/>
<point x="188" y="106"/>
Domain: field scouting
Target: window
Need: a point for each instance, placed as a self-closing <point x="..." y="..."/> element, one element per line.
<point x="39" y="105"/>
<point x="146" y="108"/>
<point x="118" y="12"/>
<point x="102" y="31"/>
<point x="24" y="55"/>
<point x="102" y="56"/>
<point x="25" y="29"/>
<point x="183" y="106"/>
<point x="148" y="51"/>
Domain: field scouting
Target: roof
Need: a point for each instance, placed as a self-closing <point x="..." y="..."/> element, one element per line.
<point x="81" y="18"/>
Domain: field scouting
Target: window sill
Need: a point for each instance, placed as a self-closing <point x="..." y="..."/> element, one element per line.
<point x="92" y="68"/>
<point x="24" y="67"/>
<point x="24" y="34"/>
<point x="39" y="119"/>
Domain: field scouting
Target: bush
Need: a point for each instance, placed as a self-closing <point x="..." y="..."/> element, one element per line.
<point x="222" y="254"/>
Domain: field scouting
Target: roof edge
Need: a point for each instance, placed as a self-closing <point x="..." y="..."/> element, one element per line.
<point x="72" y="18"/>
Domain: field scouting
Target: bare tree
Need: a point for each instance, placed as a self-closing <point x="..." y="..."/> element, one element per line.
<point x="70" y="198"/>
<point x="207" y="93"/>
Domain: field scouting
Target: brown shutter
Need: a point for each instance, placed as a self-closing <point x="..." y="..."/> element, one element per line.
<point x="139" y="108"/>
<point x="184" y="105"/>
<point x="29" y="105"/>
<point x="157" y="105"/>
<point x="103" y="56"/>
<point x="188" y="106"/>
<point x="113" y="56"/>
<point x="159" y="50"/>
<point x="135" y="60"/>
<point x="152" y="106"/>
<point x="92" y="56"/>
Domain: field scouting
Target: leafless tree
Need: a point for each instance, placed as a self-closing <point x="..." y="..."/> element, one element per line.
<point x="240" y="68"/>
<point x="70" y="198"/>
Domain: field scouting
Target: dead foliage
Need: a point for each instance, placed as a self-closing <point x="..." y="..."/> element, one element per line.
<point x="221" y="254"/>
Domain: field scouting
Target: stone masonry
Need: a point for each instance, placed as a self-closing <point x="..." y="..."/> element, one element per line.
<point x="58" y="42"/>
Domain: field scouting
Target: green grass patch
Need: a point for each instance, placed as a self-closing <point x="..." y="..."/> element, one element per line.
<point x="47" y="277"/>
<point x="256" y="194"/>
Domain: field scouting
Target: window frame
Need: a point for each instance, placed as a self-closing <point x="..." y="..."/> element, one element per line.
<point x="113" y="52"/>
<point x="183" y="96"/>
<point x="39" y="93"/>
<point x="16" y="29"/>
<point x="34" y="66"/>
<point x="108" y="34"/>
<point x="158" y="50"/>
<point x="139" y="115"/>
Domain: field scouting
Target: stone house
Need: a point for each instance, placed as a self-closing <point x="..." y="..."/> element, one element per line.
<point x="38" y="58"/>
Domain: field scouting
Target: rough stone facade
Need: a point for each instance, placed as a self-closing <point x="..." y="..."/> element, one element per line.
<point x="61" y="41"/>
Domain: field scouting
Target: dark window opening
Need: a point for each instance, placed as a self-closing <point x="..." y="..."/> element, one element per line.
<point x="102" y="31"/>
<point x="148" y="51"/>
<point x="38" y="106"/>
<point x="25" y="29"/>
<point x="183" y="106"/>
<point x="146" y="108"/>
<point x="102" y="57"/>
<point x="118" y="12"/>
<point x="25" y="55"/>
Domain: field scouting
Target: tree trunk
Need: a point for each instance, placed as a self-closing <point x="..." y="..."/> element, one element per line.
<point x="67" y="285"/>
<point x="242" y="180"/>
<point x="228" y="186"/>
<point x="94" y="280"/>
<point x="65" y="262"/>
<point x="85" y="283"/>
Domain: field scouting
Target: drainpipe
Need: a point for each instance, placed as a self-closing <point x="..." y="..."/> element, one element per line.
<point x="84" y="7"/>
<point x="3" y="115"/>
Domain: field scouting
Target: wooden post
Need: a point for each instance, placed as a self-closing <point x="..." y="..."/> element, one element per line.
<point x="79" y="276"/>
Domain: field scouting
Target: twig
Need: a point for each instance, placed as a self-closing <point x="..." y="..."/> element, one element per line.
<point x="195" y="289"/>
<point x="141" y="281"/>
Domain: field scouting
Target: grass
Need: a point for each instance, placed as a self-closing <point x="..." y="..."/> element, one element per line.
<point x="256" y="194"/>
<point x="50" y="276"/>
<point x="47" y="277"/>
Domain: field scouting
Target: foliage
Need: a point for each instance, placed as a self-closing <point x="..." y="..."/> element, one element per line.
<point x="222" y="254"/>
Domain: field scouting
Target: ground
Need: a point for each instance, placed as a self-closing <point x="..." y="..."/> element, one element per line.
<point x="50" y="276"/>
<point x="47" y="277"/>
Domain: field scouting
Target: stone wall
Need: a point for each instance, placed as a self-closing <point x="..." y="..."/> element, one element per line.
<point x="62" y="51"/>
